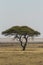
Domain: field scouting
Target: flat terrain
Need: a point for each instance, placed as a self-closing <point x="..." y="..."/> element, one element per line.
<point x="12" y="54"/>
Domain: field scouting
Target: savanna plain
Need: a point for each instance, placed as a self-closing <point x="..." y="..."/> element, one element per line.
<point x="12" y="54"/>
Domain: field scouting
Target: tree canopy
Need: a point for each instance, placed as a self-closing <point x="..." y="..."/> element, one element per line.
<point x="21" y="30"/>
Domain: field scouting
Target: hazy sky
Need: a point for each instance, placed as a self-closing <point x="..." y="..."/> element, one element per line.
<point x="21" y="12"/>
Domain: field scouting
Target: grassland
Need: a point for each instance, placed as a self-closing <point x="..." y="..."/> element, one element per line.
<point x="12" y="54"/>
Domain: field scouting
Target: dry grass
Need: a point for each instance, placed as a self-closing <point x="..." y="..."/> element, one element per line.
<point x="13" y="55"/>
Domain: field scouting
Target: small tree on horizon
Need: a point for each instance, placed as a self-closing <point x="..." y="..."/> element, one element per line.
<point x="21" y="32"/>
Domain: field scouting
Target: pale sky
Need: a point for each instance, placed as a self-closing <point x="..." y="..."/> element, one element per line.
<point x="21" y="12"/>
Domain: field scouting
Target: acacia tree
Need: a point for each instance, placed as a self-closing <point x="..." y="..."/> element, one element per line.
<point x="21" y="32"/>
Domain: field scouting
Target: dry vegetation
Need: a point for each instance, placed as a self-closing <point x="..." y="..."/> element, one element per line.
<point x="12" y="54"/>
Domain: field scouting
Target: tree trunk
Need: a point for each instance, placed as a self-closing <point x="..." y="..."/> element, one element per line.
<point x="20" y="41"/>
<point x="23" y="46"/>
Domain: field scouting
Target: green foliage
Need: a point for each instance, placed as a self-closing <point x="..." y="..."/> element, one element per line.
<point x="21" y="30"/>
